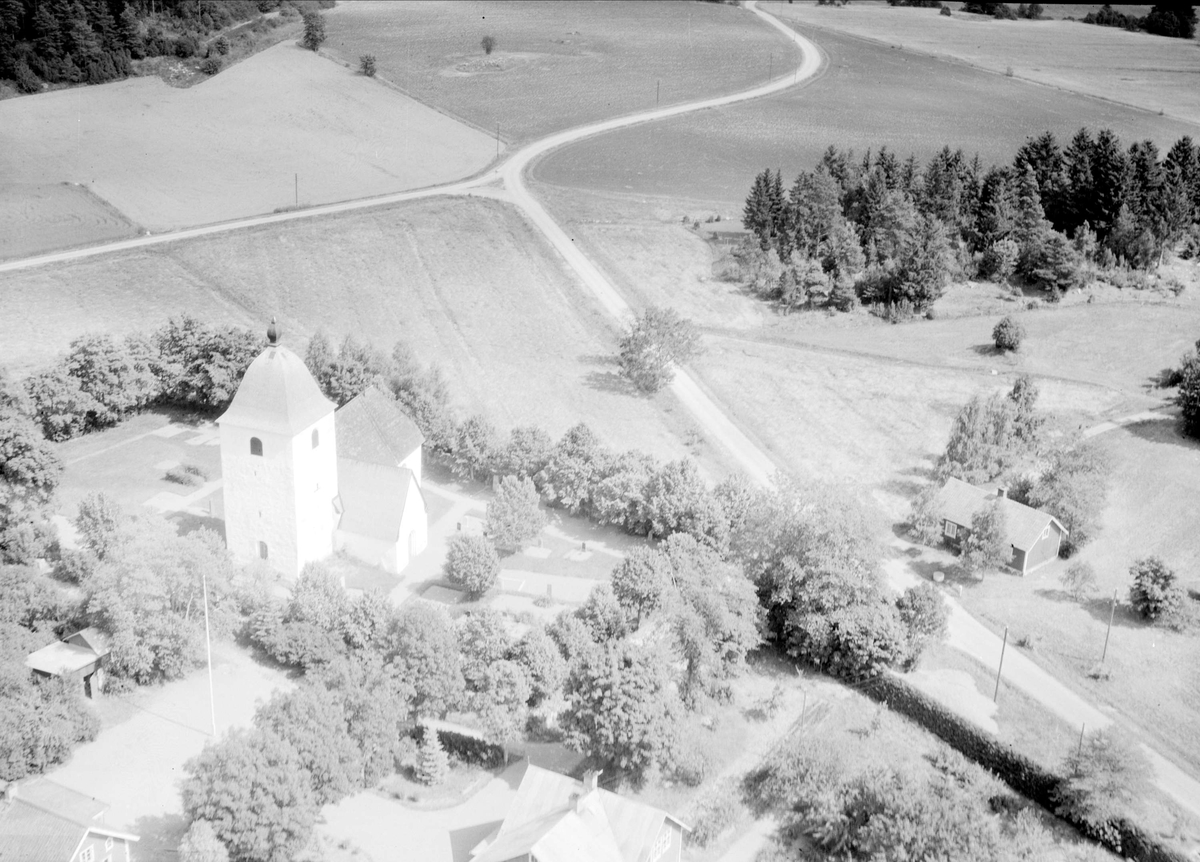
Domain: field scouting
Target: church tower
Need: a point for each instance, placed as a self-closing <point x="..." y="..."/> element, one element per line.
<point x="279" y="464"/>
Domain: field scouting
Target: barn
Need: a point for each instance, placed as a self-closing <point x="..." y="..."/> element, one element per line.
<point x="1035" y="536"/>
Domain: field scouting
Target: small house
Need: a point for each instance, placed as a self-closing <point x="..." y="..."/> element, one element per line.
<point x="42" y="821"/>
<point x="1035" y="536"/>
<point x="555" y="818"/>
<point x="80" y="656"/>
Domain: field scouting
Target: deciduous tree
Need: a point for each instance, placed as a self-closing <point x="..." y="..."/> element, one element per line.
<point x="1105" y="779"/>
<point x="655" y="343"/>
<point x="472" y="563"/>
<point x="641" y="583"/>
<point x="423" y="647"/>
<point x="986" y="547"/>
<point x="1155" y="593"/>
<point x="514" y="516"/>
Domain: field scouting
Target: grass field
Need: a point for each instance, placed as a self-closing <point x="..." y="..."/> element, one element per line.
<point x="1149" y="72"/>
<point x="466" y="282"/>
<point x="870" y="95"/>
<point x="233" y="145"/>
<point x="557" y="65"/>
<point x="39" y="217"/>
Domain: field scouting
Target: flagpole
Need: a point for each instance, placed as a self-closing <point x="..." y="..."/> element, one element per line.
<point x="212" y="703"/>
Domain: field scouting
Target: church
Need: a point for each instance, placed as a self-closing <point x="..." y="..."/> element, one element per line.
<point x="303" y="479"/>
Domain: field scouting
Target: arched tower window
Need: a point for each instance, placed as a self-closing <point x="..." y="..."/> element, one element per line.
<point x="262" y="550"/>
<point x="255" y="446"/>
<point x="316" y="438"/>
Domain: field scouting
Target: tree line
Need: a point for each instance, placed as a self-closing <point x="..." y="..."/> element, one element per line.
<point x="93" y="41"/>
<point x="887" y="233"/>
<point x="1167" y="19"/>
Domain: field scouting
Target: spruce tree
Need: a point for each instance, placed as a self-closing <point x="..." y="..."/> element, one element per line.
<point x="757" y="215"/>
<point x="1109" y="165"/>
<point x="433" y="763"/>
<point x="1077" y="161"/>
<point x="1182" y="166"/>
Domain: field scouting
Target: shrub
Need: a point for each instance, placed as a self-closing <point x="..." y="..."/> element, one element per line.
<point x="945" y="11"/>
<point x="690" y="765"/>
<point x="1008" y="334"/>
<point x="1000" y="260"/>
<point x="366" y="65"/>
<point x="185" y="46"/>
<point x="314" y="31"/>
<point x="472" y="563"/>
<point x="222" y="44"/>
<point x="1079" y="580"/>
<point x="714" y="813"/>
<point x="1188" y="397"/>
<point x="462" y="747"/>
<point x="211" y="66"/>
<point x="1155" y="594"/>
<point x="488" y="44"/>
<point x="180" y="476"/>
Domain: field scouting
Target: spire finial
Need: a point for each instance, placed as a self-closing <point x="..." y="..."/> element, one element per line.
<point x="273" y="333"/>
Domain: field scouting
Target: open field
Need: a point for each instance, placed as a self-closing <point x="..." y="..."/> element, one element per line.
<point x="466" y="282"/>
<point x="233" y="145"/>
<point x="1149" y="72"/>
<point x="869" y="96"/>
<point x="39" y="217"/>
<point x="871" y="423"/>
<point x="557" y="65"/>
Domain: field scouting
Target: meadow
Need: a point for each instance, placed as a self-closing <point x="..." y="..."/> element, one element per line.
<point x="1149" y="72"/>
<point x="464" y="281"/>
<point x="558" y="65"/>
<point x="870" y="95"/>
<point x="233" y="145"/>
<point x="38" y="217"/>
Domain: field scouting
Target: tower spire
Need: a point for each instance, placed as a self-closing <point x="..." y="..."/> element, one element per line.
<point x="273" y="332"/>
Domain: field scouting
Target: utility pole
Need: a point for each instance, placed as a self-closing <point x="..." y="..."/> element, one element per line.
<point x="657" y="90"/>
<point x="1003" y="647"/>
<point x="1079" y="752"/>
<point x="1111" y="613"/>
<point x="297" y="189"/>
<point x="771" y="67"/>
<point x="497" y="140"/>
<point x="212" y="703"/>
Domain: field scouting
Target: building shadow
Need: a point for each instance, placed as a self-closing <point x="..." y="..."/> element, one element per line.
<point x="463" y="840"/>
<point x="159" y="837"/>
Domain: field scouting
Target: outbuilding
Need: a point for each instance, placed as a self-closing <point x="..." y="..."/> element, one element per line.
<point x="80" y="656"/>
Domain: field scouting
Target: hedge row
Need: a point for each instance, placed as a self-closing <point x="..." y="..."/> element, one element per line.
<point x="1020" y="773"/>
<point x="466" y="748"/>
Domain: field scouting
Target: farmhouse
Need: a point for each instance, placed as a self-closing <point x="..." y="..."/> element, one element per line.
<point x="80" y="656"/>
<point x="555" y="818"/>
<point x="41" y="821"/>
<point x="302" y="479"/>
<point x="1034" y="535"/>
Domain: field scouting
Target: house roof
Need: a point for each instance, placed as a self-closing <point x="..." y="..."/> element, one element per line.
<point x="374" y="429"/>
<point x="60" y="658"/>
<point x="46" y="822"/>
<point x="552" y="818"/>
<point x="92" y="638"/>
<point x="277" y="395"/>
<point x="959" y="501"/>
<point x="373" y="498"/>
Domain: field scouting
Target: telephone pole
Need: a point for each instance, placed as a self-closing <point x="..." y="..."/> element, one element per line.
<point x="1003" y="647"/>
<point x="1112" y="611"/>
<point x="212" y="703"/>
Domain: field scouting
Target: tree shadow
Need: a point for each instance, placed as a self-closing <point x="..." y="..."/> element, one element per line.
<point x="1125" y="616"/>
<point x="988" y="349"/>
<point x="1168" y="431"/>
<point x="190" y="523"/>
<point x="159" y="836"/>
<point x="906" y="488"/>
<point x="610" y="381"/>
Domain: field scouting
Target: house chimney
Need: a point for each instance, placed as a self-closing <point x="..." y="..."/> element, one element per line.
<point x="8" y="792"/>
<point x="1002" y="491"/>
<point x="591" y="780"/>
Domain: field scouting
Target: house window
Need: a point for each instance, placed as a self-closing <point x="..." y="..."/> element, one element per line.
<point x="262" y="550"/>
<point x="255" y="446"/>
<point x="88" y="854"/>
<point x="951" y="530"/>
<point x="108" y="842"/>
<point x="1046" y="532"/>
<point x="661" y="845"/>
<point x="316" y="438"/>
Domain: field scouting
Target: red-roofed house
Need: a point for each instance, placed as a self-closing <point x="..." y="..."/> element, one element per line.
<point x="555" y="818"/>
<point x="1035" y="536"/>
<point x="41" y="821"/>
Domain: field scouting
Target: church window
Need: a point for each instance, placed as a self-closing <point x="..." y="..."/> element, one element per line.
<point x="262" y="550"/>
<point x="255" y="446"/>
<point x="316" y="439"/>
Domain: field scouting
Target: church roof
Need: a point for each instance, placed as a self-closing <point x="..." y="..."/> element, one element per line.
<point x="374" y="498"/>
<point x="373" y="428"/>
<point x="277" y="395"/>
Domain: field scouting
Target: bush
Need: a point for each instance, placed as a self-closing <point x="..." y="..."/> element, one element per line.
<point x="472" y="563"/>
<point x="1155" y="595"/>
<point x="714" y="813"/>
<point x="366" y="65"/>
<point x="945" y="11"/>
<point x="690" y="765"/>
<point x="314" y="31"/>
<point x="221" y="45"/>
<point x="1079" y="581"/>
<point x="185" y="46"/>
<point x="1008" y="334"/>
<point x="211" y="66"/>
<point x="180" y="476"/>
<point x="488" y="44"/>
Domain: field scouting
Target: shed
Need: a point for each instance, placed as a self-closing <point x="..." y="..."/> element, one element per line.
<point x="81" y="656"/>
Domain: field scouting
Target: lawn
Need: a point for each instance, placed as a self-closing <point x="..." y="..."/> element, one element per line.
<point x="1149" y="72"/>
<point x="876" y="424"/>
<point x="38" y="217"/>
<point x="233" y="145"/>
<point x="466" y="282"/>
<point x="869" y="96"/>
<point x="558" y="65"/>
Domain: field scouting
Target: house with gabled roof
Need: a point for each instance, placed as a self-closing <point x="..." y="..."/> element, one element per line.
<point x="555" y="818"/>
<point x="302" y="479"/>
<point x="1034" y="536"/>
<point x="43" y="821"/>
<point x="79" y="656"/>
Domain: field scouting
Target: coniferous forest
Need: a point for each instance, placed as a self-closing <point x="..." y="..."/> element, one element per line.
<point x="889" y="234"/>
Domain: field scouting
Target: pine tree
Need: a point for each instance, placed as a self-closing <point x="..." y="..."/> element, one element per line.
<point x="758" y="214"/>
<point x="1045" y="158"/>
<point x="1182" y="165"/>
<point x="1077" y="161"/>
<point x="1109" y="165"/>
<point x="433" y="763"/>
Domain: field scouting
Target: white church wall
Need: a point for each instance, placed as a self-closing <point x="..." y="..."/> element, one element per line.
<point x="389" y="556"/>
<point x="414" y="527"/>
<point x="413" y="463"/>
<point x="258" y="492"/>
<point x="315" y="471"/>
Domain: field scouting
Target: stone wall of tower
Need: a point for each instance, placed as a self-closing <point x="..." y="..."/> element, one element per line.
<point x="283" y="498"/>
